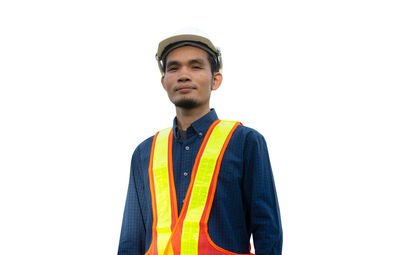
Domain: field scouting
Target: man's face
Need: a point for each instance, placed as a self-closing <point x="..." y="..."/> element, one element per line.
<point x="188" y="79"/>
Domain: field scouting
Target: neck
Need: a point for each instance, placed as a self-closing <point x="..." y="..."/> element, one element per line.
<point x="185" y="117"/>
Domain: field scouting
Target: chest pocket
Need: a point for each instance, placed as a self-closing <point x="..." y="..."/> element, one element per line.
<point x="231" y="171"/>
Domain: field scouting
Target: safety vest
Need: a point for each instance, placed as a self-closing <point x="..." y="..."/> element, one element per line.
<point x="186" y="233"/>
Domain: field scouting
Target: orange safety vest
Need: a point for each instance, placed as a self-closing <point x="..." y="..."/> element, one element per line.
<point x="187" y="233"/>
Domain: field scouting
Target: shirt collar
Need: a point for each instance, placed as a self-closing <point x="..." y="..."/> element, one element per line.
<point x="199" y="126"/>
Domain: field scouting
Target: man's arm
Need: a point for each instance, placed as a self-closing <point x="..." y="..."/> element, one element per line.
<point x="260" y="197"/>
<point x="132" y="237"/>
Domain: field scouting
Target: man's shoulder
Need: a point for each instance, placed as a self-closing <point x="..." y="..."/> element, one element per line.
<point x="251" y="140"/>
<point x="144" y="145"/>
<point x="248" y="133"/>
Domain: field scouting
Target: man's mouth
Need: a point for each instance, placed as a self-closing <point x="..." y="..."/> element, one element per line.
<point x="185" y="88"/>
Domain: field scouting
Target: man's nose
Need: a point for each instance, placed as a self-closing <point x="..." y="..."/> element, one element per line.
<point x="184" y="76"/>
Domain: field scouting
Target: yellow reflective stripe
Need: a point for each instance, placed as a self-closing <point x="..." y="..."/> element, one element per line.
<point x="198" y="198"/>
<point x="161" y="187"/>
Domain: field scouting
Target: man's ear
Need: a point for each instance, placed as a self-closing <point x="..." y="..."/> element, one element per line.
<point x="217" y="80"/>
<point x="162" y="82"/>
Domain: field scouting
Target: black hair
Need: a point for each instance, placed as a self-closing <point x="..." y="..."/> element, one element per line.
<point x="211" y="59"/>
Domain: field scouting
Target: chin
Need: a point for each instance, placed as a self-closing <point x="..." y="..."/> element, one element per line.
<point x="186" y="103"/>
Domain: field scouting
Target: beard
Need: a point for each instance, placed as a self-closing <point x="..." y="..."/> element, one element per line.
<point x="186" y="103"/>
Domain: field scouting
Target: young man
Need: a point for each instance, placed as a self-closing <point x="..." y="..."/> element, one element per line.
<point x="204" y="185"/>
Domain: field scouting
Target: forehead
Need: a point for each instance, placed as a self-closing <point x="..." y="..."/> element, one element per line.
<point x="186" y="53"/>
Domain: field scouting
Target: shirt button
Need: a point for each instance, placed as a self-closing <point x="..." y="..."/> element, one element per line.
<point x="200" y="134"/>
<point x="185" y="174"/>
<point x="187" y="148"/>
<point x="183" y="201"/>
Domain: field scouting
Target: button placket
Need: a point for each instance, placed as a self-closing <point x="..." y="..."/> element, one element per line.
<point x="185" y="165"/>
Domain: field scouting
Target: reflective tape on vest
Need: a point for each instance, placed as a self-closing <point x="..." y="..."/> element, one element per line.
<point x="201" y="186"/>
<point x="163" y="217"/>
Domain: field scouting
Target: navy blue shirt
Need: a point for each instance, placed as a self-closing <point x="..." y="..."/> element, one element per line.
<point x="245" y="199"/>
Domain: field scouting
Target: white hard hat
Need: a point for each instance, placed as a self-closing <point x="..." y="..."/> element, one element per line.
<point x="187" y="37"/>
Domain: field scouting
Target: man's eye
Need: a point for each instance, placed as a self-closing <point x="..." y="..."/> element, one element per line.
<point x="197" y="67"/>
<point x="172" y="68"/>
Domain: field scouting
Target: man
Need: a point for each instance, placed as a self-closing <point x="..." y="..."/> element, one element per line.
<point x="204" y="185"/>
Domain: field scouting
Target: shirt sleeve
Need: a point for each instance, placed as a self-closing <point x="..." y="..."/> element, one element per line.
<point x="132" y="236"/>
<point x="260" y="197"/>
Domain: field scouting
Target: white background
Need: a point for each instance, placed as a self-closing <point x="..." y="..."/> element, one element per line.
<point x="80" y="89"/>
